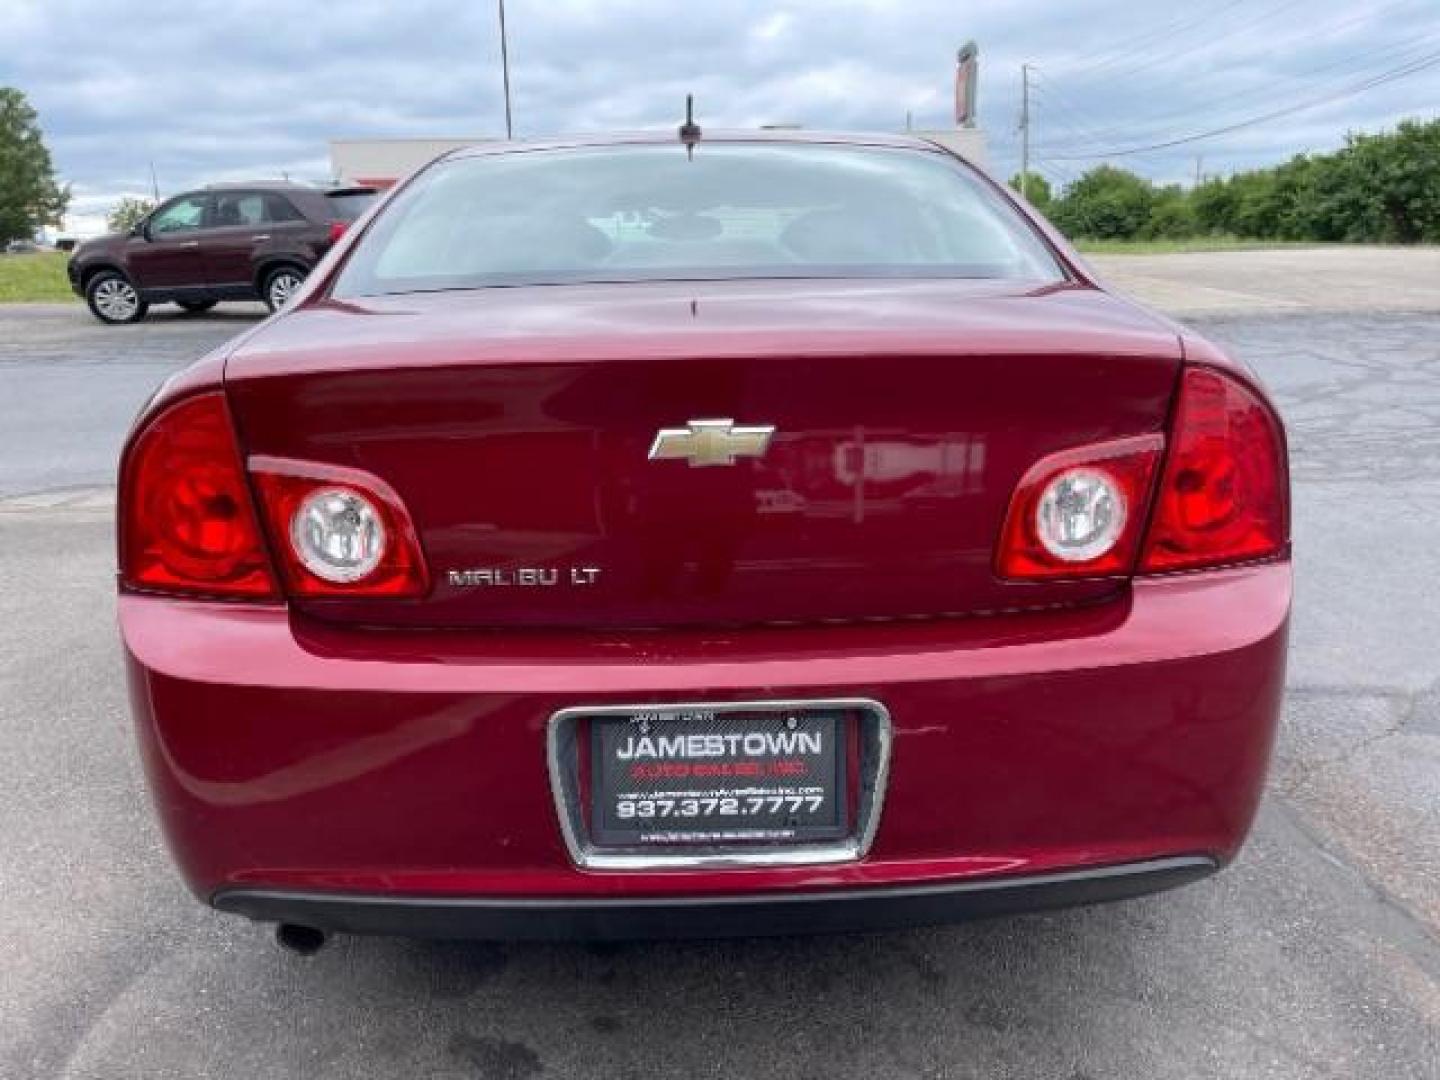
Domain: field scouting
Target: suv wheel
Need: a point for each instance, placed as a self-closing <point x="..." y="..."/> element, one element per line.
<point x="196" y="306"/>
<point x="113" y="299"/>
<point x="280" y="285"/>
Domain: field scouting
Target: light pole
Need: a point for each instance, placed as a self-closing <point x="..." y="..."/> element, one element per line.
<point x="505" y="70"/>
<point x="1025" y="131"/>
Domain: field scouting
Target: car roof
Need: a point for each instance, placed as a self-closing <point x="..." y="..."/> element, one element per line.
<point x="259" y="185"/>
<point x="795" y="136"/>
<point x="289" y="187"/>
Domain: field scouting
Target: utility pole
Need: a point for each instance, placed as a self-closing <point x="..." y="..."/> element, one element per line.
<point x="1199" y="160"/>
<point x="154" y="184"/>
<point x="1025" y="131"/>
<point x="505" y="70"/>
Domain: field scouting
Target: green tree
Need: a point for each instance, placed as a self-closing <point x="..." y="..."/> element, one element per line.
<point x="127" y="214"/>
<point x="1106" y="203"/>
<point x="1399" y="175"/>
<point x="1037" y="190"/>
<point x="30" y="199"/>
<point x="1259" y="203"/>
<point x="1333" y="201"/>
<point x="1381" y="188"/>
<point x="1212" y="205"/>
<point x="1171" y="215"/>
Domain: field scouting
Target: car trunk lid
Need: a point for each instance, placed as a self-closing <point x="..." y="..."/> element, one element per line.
<point x="517" y="426"/>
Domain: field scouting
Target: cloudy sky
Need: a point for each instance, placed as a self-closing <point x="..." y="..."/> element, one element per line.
<point x="246" y="88"/>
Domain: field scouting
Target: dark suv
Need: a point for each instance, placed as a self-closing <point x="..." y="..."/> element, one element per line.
<point x="227" y="242"/>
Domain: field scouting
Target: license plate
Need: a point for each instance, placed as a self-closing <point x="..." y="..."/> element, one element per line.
<point x="705" y="777"/>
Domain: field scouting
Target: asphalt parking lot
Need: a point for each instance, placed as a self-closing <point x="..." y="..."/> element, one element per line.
<point x="1316" y="955"/>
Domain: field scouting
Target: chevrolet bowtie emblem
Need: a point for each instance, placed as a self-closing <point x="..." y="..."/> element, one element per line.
<point x="711" y="442"/>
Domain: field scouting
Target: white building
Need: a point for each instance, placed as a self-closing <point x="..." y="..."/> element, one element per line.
<point x="381" y="162"/>
<point x="968" y="143"/>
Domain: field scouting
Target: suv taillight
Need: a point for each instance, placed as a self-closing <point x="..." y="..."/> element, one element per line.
<point x="187" y="524"/>
<point x="337" y="230"/>
<point x="1225" y="493"/>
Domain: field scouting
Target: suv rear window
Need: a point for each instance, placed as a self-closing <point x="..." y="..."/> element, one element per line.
<point x="736" y="210"/>
<point x="250" y="208"/>
<point x="349" y="205"/>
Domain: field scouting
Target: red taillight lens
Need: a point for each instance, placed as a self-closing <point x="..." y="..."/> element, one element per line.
<point x="186" y="520"/>
<point x="1224" y="496"/>
<point x="1079" y="513"/>
<point x="337" y="230"/>
<point x="340" y="532"/>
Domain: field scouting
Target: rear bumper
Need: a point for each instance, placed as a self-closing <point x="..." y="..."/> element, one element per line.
<point x="293" y="762"/>
<point x="600" y="919"/>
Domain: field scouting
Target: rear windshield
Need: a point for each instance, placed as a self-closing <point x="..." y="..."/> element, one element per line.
<point x="349" y="205"/>
<point x="736" y="210"/>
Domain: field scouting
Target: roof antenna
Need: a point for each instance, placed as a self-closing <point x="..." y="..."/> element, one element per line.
<point x="690" y="131"/>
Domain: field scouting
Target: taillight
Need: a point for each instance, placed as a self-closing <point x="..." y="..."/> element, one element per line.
<point x="339" y="531"/>
<point x="1079" y="513"/>
<point x="186" y="520"/>
<point x="1224" y="496"/>
<point x="337" y="230"/>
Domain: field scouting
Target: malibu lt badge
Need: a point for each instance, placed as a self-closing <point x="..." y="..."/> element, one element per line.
<point x="536" y="576"/>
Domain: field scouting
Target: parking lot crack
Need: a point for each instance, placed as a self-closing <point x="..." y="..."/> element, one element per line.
<point x="1421" y="935"/>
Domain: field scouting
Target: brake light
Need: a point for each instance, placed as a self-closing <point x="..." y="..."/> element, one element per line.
<point x="1080" y="513"/>
<point x="339" y="531"/>
<point x="1224" y="496"/>
<point x="187" y="523"/>
<point x="337" y="230"/>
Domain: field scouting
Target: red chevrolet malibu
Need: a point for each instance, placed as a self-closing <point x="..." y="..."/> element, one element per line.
<point x="766" y="534"/>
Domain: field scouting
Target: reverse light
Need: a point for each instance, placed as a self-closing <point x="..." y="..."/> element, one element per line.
<point x="339" y="532"/>
<point x="1078" y="513"/>
<point x="1224" y="496"/>
<point x="187" y="524"/>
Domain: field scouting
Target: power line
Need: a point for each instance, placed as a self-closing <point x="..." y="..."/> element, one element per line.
<point x="1411" y="68"/>
<point x="1050" y="120"/>
<point x="1063" y="177"/>
<point x="1172" y="29"/>
<point x="1250" y="96"/>
<point x="1049" y="93"/>
<point x="1043" y="94"/>
<point x="1170" y="55"/>
<point x="1357" y="61"/>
